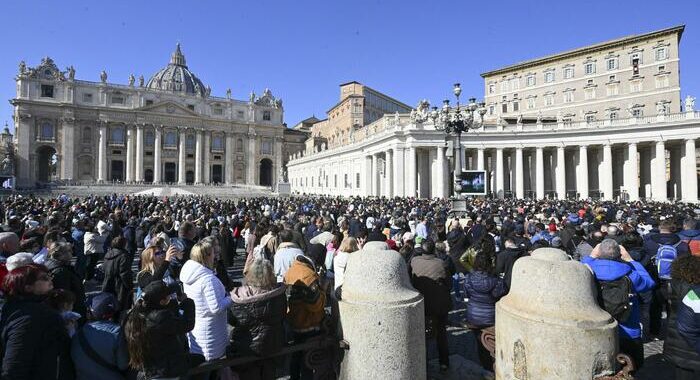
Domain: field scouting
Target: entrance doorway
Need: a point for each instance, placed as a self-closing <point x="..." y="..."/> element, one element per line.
<point x="148" y="176"/>
<point x="189" y="176"/>
<point x="47" y="164"/>
<point x="170" y="172"/>
<point x="266" y="172"/>
<point x="217" y="174"/>
<point x="117" y="172"/>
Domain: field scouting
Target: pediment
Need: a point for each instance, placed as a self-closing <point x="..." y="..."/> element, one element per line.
<point x="169" y="108"/>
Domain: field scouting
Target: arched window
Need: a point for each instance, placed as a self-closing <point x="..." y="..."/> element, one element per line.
<point x="87" y="135"/>
<point x="239" y="145"/>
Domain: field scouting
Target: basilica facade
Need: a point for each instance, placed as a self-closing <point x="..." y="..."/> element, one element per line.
<point x="166" y="129"/>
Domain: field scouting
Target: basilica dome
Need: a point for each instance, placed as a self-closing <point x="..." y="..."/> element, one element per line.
<point x="176" y="77"/>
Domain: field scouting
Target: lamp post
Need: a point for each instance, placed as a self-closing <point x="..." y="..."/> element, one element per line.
<point x="455" y="121"/>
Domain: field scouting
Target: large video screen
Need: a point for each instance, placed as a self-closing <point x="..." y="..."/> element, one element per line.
<point x="473" y="182"/>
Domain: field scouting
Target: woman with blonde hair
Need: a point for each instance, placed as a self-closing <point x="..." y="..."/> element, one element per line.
<point x="209" y="336"/>
<point x="155" y="266"/>
<point x="340" y="261"/>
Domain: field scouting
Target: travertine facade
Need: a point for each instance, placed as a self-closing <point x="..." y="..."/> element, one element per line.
<point x="631" y="76"/>
<point x="168" y="129"/>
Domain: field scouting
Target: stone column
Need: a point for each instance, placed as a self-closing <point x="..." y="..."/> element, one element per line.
<point x="539" y="172"/>
<point x="368" y="176"/>
<point x="411" y="172"/>
<point x="441" y="173"/>
<point x="138" y="176"/>
<point x="206" y="171"/>
<point x="658" y="173"/>
<point x="157" y="150"/>
<point x="675" y="171"/>
<point x="399" y="174"/>
<point x="689" y="179"/>
<point x="561" y="173"/>
<point x="182" y="155"/>
<point x="68" y="150"/>
<point x="582" y="172"/>
<point x="228" y="160"/>
<point x="102" y="154"/>
<point x="252" y="162"/>
<point x="381" y="313"/>
<point x="519" y="181"/>
<point x="480" y="159"/>
<point x="389" y="173"/>
<point x="546" y="329"/>
<point x="198" y="158"/>
<point x="129" y="154"/>
<point x="605" y="175"/>
<point x="500" y="189"/>
<point x="631" y="172"/>
<point x="375" y="175"/>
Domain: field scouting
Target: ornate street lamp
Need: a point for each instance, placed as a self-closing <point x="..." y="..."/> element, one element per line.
<point x="455" y="121"/>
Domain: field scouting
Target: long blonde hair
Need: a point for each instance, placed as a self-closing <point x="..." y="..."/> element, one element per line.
<point x="349" y="245"/>
<point x="148" y="263"/>
<point x="201" y="251"/>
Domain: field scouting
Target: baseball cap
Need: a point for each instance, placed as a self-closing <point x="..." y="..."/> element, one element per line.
<point x="103" y="305"/>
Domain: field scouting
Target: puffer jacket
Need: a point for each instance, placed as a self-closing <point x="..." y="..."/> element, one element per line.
<point x="431" y="278"/>
<point x="166" y="328"/>
<point x="483" y="291"/>
<point x="676" y="348"/>
<point x="94" y="242"/>
<point x="306" y="298"/>
<point x="118" y="276"/>
<point x="257" y="317"/>
<point x="209" y="336"/>
<point x="35" y="343"/>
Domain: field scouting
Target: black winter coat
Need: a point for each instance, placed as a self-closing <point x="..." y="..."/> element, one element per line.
<point x="676" y="349"/>
<point x="168" y="352"/>
<point x="432" y="278"/>
<point x="505" y="261"/>
<point x="458" y="243"/>
<point x="119" y="279"/>
<point x="35" y="343"/>
<point x="257" y="318"/>
<point x="64" y="277"/>
<point x="483" y="291"/>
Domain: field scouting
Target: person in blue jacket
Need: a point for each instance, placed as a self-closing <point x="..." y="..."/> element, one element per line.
<point x="610" y="261"/>
<point x="103" y="338"/>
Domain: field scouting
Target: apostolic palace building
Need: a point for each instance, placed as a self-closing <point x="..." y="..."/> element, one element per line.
<point x="167" y="129"/>
<point x="602" y="121"/>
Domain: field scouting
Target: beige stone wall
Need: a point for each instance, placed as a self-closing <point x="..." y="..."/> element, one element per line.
<point x="597" y="93"/>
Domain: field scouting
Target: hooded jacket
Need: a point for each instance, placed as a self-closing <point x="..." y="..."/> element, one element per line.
<point x="431" y="278"/>
<point x="458" y="243"/>
<point x="505" y="261"/>
<point x="64" y="277"/>
<point x="118" y="278"/>
<point x="166" y="328"/>
<point x="483" y="291"/>
<point x="610" y="270"/>
<point x="257" y="317"/>
<point x="211" y="302"/>
<point x="653" y="241"/>
<point x="306" y="298"/>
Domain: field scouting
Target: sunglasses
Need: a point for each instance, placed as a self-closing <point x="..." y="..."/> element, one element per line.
<point x="160" y="253"/>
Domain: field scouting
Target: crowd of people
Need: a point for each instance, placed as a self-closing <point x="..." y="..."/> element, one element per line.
<point x="182" y="307"/>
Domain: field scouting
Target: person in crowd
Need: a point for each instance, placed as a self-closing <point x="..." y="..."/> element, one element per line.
<point x="62" y="302"/>
<point x="78" y="236"/>
<point x="99" y="349"/>
<point x="286" y="254"/>
<point x="187" y="234"/>
<point x="483" y="289"/>
<point x="432" y="278"/>
<point x="211" y="302"/>
<point x="9" y="244"/>
<point x="64" y="276"/>
<point x="219" y="266"/>
<point x="422" y="228"/>
<point x="156" y="331"/>
<point x="155" y="266"/>
<point x="690" y="235"/>
<point x="507" y="258"/>
<point x="94" y="243"/>
<point x="458" y="243"/>
<point x="257" y="317"/>
<point x="611" y="263"/>
<point x="307" y="299"/>
<point x="682" y="343"/>
<point x="35" y="343"/>
<point x="340" y="262"/>
<point x="653" y="243"/>
<point x="118" y="277"/>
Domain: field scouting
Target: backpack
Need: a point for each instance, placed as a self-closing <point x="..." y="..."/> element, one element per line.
<point x="665" y="255"/>
<point x="615" y="297"/>
<point x="693" y="245"/>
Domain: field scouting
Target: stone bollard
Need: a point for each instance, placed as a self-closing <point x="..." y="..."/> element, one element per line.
<point x="382" y="318"/>
<point x="550" y="326"/>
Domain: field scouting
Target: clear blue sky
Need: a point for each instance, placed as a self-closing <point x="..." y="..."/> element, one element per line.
<point x="302" y="49"/>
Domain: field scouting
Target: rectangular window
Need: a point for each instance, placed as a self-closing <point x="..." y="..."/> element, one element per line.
<point x="636" y="86"/>
<point x="637" y="112"/>
<point x="568" y="97"/>
<point x="662" y="68"/>
<point x="589" y="94"/>
<point x="661" y="54"/>
<point x="46" y="91"/>
<point x="613" y="115"/>
<point x="662" y="81"/>
<point x="516" y="106"/>
<point x="504" y="107"/>
<point x="612" y="90"/>
<point x="611" y="64"/>
<point x="117" y="100"/>
<point x="635" y="66"/>
<point x="492" y="109"/>
<point x="530" y="103"/>
<point x="149" y="102"/>
<point x="240" y="114"/>
<point x="504" y="86"/>
<point x="549" y="77"/>
<point x="590" y="118"/>
<point x="218" y="111"/>
<point x="190" y="107"/>
<point x="530" y="81"/>
<point x="266" y="147"/>
<point x="514" y="84"/>
<point x="266" y="115"/>
<point x="589" y="68"/>
<point x="612" y="78"/>
<point x="492" y="89"/>
<point x="548" y="100"/>
<point x="345" y="181"/>
<point x="568" y="73"/>
<point x="357" y="180"/>
<point x="87" y="97"/>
